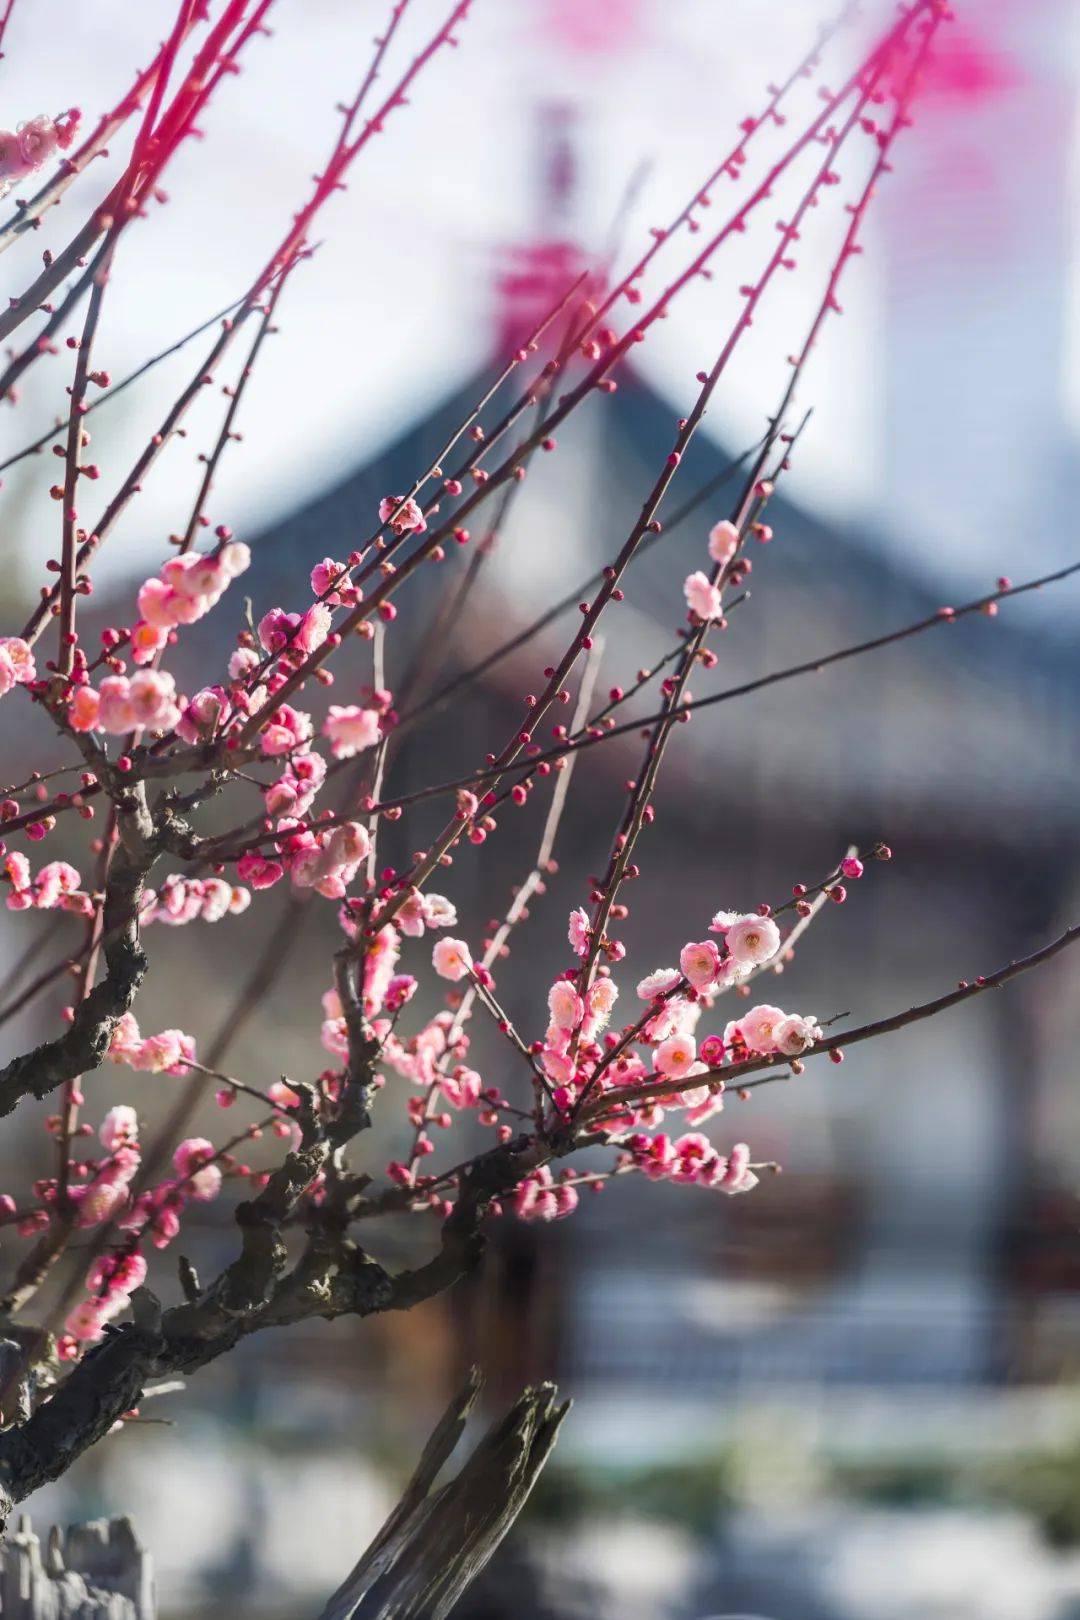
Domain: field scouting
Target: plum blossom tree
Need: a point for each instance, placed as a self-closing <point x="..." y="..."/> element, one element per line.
<point x="623" y="1057"/>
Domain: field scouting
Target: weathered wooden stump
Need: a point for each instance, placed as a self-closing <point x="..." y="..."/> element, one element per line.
<point x="435" y="1543"/>
<point x="95" y="1571"/>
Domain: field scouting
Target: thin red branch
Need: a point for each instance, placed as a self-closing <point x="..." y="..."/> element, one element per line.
<point x="734" y="1075"/>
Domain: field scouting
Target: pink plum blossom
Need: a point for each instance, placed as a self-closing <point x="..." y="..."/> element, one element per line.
<point x="17" y="665"/>
<point x="702" y="597"/>
<point x="658" y="983"/>
<point x="673" y="1058"/>
<point x="723" y="542"/>
<point x="759" y="1026"/>
<point x="451" y="959"/>
<point x="204" y="1183"/>
<point x="700" y="963"/>
<point x="579" y="932"/>
<point x="751" y="940"/>
<point x="565" y="1005"/>
<point x="350" y="729"/>
<point x="120" y="1126"/>
<point x="794" y="1034"/>
<point x="410" y="520"/>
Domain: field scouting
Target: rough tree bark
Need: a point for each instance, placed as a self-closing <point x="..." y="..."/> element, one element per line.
<point x="435" y="1543"/>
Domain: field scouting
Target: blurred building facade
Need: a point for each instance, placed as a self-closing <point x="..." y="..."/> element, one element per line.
<point x="920" y="1251"/>
<point x="924" y="1233"/>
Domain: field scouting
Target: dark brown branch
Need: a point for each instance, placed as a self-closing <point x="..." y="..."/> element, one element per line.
<point x="333" y="1277"/>
<point x="85" y="1042"/>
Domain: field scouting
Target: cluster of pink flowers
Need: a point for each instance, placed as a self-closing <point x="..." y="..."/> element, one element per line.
<point x="330" y="581"/>
<point x="26" y="149"/>
<point x="570" y="1054"/>
<point x="201" y="1178"/>
<point x="577" y="1054"/>
<point x="112" y="1278"/>
<point x="110" y="1282"/>
<point x="750" y="941"/>
<point x="540" y="1197"/>
<point x="145" y="701"/>
<point x="182" y="900"/>
<point x="17" y="665"/>
<point x="291" y="636"/>
<point x="326" y="861"/>
<point x="106" y="1193"/>
<point x="704" y="598"/>
<point x="168" y="1052"/>
<point x="286" y="730"/>
<point x="434" y="1057"/>
<point x="183" y="591"/>
<point x="157" y="1212"/>
<point x="296" y="788"/>
<point x="423" y="911"/>
<point x="57" y="885"/>
<point x="764" y="1030"/>
<point x="380" y="976"/>
<point x="409" y="520"/>
<point x="384" y="993"/>
<point x="692" y="1158"/>
<point x="572" y="1014"/>
<point x="349" y="729"/>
